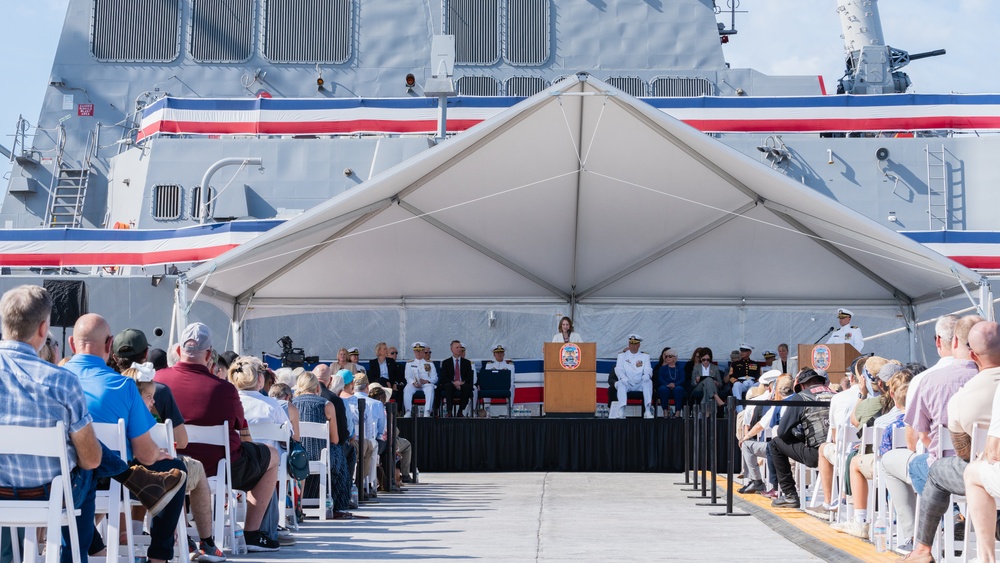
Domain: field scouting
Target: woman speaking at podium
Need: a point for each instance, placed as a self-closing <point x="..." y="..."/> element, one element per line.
<point x="566" y="333"/>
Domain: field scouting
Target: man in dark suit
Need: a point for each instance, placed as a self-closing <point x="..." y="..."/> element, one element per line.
<point x="456" y="379"/>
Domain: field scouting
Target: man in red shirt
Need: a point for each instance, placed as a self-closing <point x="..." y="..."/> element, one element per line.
<point x="205" y="400"/>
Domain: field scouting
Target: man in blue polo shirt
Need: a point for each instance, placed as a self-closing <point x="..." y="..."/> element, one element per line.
<point x="111" y="396"/>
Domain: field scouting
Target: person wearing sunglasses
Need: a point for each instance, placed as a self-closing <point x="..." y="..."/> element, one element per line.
<point x="707" y="379"/>
<point x="669" y="383"/>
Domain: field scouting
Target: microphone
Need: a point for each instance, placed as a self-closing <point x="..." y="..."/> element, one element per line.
<point x="824" y="335"/>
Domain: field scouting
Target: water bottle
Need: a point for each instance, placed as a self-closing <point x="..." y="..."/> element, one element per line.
<point x="880" y="535"/>
<point x="240" y="543"/>
<point x="354" y="495"/>
<point x="329" y="506"/>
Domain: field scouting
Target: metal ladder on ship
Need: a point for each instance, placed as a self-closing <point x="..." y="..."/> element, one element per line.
<point x="938" y="195"/>
<point x="68" y="191"/>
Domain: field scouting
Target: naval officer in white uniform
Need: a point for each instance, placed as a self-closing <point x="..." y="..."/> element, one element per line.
<point x="420" y="376"/>
<point x="634" y="374"/>
<point x="847" y="332"/>
<point x="500" y="363"/>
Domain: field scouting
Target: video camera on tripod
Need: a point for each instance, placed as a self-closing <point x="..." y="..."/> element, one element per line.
<point x="294" y="357"/>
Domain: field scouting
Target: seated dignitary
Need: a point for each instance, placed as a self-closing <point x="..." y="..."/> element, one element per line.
<point x="973" y="404"/>
<point x="38" y="394"/>
<point x="669" y="383"/>
<point x="420" y="376"/>
<point x="456" y="381"/>
<point x="634" y="374"/>
<point x="205" y="400"/>
<point x="501" y="363"/>
<point x="382" y="368"/>
<point x="743" y="373"/>
<point x="800" y="432"/>
<point x="110" y="397"/>
<point x="706" y="380"/>
<point x="783" y="362"/>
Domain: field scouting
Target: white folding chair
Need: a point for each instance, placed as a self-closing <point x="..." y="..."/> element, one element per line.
<point x="321" y="468"/>
<point x="221" y="485"/>
<point x="114" y="503"/>
<point x="281" y="433"/>
<point x="163" y="436"/>
<point x="898" y="441"/>
<point x="52" y="514"/>
<point x="846" y="438"/>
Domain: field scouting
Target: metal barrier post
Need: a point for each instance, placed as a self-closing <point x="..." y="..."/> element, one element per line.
<point x="359" y="469"/>
<point x="414" y="474"/>
<point x="731" y="443"/>
<point x="687" y="446"/>
<point x="695" y="442"/>
<point x="714" y="456"/>
<point x="389" y="455"/>
<point x="701" y="453"/>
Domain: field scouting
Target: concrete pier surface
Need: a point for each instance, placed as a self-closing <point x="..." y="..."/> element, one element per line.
<point x="540" y="517"/>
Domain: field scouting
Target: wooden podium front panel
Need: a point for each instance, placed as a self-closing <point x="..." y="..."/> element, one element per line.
<point x="841" y="358"/>
<point x="588" y="356"/>
<point x="571" y="392"/>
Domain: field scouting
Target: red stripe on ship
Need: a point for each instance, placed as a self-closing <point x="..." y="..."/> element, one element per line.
<point x="115" y="258"/>
<point x="845" y="124"/>
<point x="303" y="127"/>
<point x="978" y="262"/>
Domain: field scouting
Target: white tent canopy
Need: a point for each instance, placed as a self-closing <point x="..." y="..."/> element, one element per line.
<point x="578" y="196"/>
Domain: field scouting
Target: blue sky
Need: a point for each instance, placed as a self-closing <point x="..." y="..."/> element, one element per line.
<point x="775" y="37"/>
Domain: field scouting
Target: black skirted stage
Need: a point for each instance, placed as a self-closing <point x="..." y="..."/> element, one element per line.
<point x="549" y="444"/>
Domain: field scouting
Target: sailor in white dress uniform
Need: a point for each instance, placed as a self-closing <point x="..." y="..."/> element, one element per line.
<point x="847" y="333"/>
<point x="634" y="374"/>
<point x="420" y="376"/>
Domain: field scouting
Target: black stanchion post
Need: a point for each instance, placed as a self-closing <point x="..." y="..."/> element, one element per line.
<point x="414" y="474"/>
<point x="731" y="443"/>
<point x="695" y="442"/>
<point x="713" y="444"/>
<point x="389" y="456"/>
<point x="701" y="450"/>
<point x="687" y="446"/>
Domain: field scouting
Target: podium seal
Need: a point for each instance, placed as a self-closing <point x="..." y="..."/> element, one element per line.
<point x="569" y="356"/>
<point x="821" y="357"/>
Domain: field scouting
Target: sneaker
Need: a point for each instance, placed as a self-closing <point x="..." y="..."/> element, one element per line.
<point x="648" y="414"/>
<point x="751" y="487"/>
<point x="852" y="528"/>
<point x="285" y="537"/>
<point x="905" y="548"/>
<point x="210" y="553"/>
<point x="772" y="494"/>
<point x="785" y="502"/>
<point x="258" y="541"/>
<point x="193" y="549"/>
<point x="154" y="489"/>
<point x="820" y="511"/>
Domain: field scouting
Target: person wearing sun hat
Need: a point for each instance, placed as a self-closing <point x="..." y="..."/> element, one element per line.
<point x="635" y="373"/>
<point x="420" y="376"/>
<point x="847" y="333"/>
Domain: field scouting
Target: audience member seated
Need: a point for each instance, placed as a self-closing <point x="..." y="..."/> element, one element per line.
<point x="743" y="374"/>
<point x="841" y="406"/>
<point x="761" y="421"/>
<point x="971" y="405"/>
<point x="800" y="432"/>
<point x="906" y="471"/>
<point x="207" y="401"/>
<point x="111" y="397"/>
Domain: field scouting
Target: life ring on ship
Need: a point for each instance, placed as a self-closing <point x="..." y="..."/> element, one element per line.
<point x="118" y="225"/>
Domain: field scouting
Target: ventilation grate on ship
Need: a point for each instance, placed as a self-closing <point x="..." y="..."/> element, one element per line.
<point x="134" y="31"/>
<point x="679" y="87"/>
<point x="222" y="30"/>
<point x="524" y="86"/>
<point x="478" y="86"/>
<point x="631" y="85"/>
<point x="166" y="202"/>
<point x="527" y="37"/>
<point x="475" y="25"/>
<point x="196" y="202"/>
<point x="308" y="31"/>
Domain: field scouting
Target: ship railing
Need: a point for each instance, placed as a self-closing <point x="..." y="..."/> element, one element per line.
<point x="56" y="166"/>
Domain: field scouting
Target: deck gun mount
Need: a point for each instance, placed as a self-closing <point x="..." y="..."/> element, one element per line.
<point x="872" y="66"/>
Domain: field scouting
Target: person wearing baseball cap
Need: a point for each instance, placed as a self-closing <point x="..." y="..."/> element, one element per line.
<point x="847" y="333"/>
<point x="421" y="375"/>
<point x="635" y="373"/>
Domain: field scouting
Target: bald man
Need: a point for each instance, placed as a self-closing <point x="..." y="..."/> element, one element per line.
<point x="973" y="404"/>
<point x="110" y="397"/>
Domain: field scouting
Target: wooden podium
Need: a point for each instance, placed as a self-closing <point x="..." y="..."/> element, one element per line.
<point x="834" y="359"/>
<point x="570" y="378"/>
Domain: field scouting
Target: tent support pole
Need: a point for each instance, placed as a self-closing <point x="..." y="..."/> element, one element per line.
<point x="986" y="300"/>
<point x="181" y="303"/>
